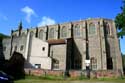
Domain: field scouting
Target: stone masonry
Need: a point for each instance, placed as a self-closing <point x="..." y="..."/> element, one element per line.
<point x="67" y="45"/>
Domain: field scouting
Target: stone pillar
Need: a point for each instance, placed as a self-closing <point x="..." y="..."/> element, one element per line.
<point x="27" y="46"/>
<point x="102" y="46"/>
<point x="84" y="46"/>
<point x="118" y="57"/>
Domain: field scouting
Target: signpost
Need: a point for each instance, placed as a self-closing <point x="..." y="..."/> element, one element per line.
<point x="87" y="62"/>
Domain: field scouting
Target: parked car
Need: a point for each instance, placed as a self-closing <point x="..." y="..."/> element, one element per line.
<point x="4" y="78"/>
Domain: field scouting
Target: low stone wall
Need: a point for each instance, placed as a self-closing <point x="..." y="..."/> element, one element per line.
<point x="40" y="72"/>
<point x="75" y="73"/>
<point x="105" y="74"/>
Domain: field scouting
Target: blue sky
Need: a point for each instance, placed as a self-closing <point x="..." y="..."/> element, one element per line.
<point x="41" y="12"/>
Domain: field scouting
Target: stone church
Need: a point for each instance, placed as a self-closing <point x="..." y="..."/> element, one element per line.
<point x="67" y="46"/>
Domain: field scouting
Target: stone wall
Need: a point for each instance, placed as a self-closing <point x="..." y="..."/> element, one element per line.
<point x="74" y="73"/>
<point x="19" y="44"/>
<point x="7" y="48"/>
<point x="58" y="53"/>
<point x="79" y="48"/>
<point x="106" y="74"/>
<point x="97" y="44"/>
<point x="39" y="72"/>
<point x="1" y="52"/>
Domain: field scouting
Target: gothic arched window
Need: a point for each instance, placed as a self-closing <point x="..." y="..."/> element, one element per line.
<point x="63" y="31"/>
<point x="41" y="34"/>
<point x="77" y="30"/>
<point x="51" y="33"/>
<point x="92" y="28"/>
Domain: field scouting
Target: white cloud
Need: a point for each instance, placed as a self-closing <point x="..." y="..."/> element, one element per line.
<point x="29" y="12"/>
<point x="46" y="21"/>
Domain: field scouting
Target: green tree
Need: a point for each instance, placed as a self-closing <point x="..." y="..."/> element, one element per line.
<point x="3" y="36"/>
<point x="120" y="21"/>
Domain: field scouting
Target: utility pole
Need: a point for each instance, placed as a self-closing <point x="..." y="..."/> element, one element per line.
<point x="87" y="61"/>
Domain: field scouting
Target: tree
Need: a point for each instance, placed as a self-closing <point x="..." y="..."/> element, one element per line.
<point x="120" y="21"/>
<point x="123" y="61"/>
<point x="15" y="66"/>
<point x="3" y="36"/>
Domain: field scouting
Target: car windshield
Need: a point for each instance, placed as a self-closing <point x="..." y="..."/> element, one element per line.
<point x="2" y="73"/>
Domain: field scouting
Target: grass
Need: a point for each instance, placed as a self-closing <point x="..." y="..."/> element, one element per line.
<point x="53" y="79"/>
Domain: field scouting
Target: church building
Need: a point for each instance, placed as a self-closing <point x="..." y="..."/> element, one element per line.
<point x="68" y="46"/>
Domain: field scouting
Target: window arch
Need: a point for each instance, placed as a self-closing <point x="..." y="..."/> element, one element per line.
<point x="64" y="31"/>
<point x="31" y="34"/>
<point x="51" y="33"/>
<point x="15" y="49"/>
<point x="14" y="35"/>
<point x="41" y="34"/>
<point x="107" y="28"/>
<point x="23" y="34"/>
<point x="77" y="30"/>
<point x="92" y="28"/>
<point x="55" y="64"/>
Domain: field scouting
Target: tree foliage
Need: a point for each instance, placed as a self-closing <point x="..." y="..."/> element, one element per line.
<point x="3" y="36"/>
<point x="15" y="66"/>
<point x="120" y="21"/>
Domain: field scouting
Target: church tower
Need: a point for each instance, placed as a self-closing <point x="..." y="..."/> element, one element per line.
<point x="20" y="28"/>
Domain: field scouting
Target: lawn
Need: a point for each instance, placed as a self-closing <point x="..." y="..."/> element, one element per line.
<point x="32" y="79"/>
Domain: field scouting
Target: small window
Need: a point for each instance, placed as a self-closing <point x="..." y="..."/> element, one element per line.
<point x="21" y="48"/>
<point x="31" y="34"/>
<point x="37" y="66"/>
<point x="23" y="34"/>
<point x="43" y="48"/>
<point x="14" y="35"/>
<point x="15" y="49"/>
<point x="4" y="48"/>
<point x="55" y="64"/>
<point x="93" y="63"/>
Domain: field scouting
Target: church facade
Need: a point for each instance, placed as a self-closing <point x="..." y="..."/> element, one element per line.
<point x="68" y="45"/>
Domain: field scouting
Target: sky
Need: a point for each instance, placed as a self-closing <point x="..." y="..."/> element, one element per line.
<point x="34" y="13"/>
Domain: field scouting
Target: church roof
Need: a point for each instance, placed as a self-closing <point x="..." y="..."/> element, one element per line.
<point x="57" y="41"/>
